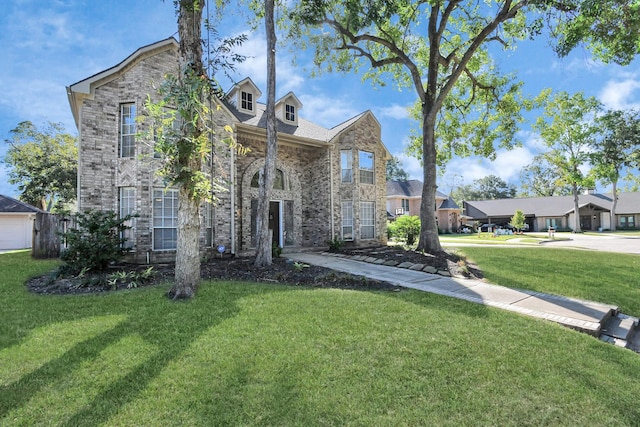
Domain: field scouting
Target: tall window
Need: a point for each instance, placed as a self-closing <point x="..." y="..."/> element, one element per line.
<point x="405" y="206"/>
<point x="127" y="207"/>
<point x="346" y="165"/>
<point x="553" y="222"/>
<point x="246" y="101"/>
<point x="347" y="220"/>
<point x="127" y="130"/>
<point x="366" y="167"/>
<point x="290" y="113"/>
<point x="367" y="220"/>
<point x="165" y="219"/>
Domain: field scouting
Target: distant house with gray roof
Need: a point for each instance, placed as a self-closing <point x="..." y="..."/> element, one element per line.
<point x="16" y="223"/>
<point x="330" y="182"/>
<point x="558" y="211"/>
<point x="405" y="198"/>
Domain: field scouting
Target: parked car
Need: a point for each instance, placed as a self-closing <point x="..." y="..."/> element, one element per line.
<point x="485" y="227"/>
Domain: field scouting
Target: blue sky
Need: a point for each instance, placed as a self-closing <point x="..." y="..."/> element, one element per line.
<point x="50" y="44"/>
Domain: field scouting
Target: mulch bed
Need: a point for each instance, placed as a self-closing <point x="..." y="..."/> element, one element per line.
<point x="282" y="271"/>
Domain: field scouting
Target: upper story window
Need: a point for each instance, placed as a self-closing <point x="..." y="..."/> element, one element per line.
<point x="278" y="180"/>
<point x="366" y="161"/>
<point x="127" y="130"/>
<point x="246" y="101"/>
<point x="346" y="165"/>
<point x="290" y="113"/>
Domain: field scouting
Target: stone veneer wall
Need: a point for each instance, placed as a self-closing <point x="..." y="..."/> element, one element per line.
<point x="305" y="170"/>
<point x="103" y="172"/>
<point x="364" y="135"/>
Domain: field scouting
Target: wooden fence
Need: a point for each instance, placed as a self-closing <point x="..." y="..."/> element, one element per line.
<point x="47" y="241"/>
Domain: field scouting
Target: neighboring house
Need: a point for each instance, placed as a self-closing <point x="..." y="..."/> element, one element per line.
<point x="405" y="197"/>
<point x="16" y="223"/>
<point x="558" y="212"/>
<point x="330" y="183"/>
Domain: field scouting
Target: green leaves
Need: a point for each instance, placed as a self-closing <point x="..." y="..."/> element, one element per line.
<point x="43" y="163"/>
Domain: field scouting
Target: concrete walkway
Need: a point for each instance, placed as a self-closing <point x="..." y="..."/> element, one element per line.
<point x="585" y="316"/>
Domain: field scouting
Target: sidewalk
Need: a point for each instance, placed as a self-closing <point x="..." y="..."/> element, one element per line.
<point x="585" y="316"/>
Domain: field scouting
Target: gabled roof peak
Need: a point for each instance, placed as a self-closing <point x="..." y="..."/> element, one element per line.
<point x="290" y="96"/>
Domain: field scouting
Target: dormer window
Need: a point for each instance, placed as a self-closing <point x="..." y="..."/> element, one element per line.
<point x="287" y="109"/>
<point x="290" y="113"/>
<point x="246" y="101"/>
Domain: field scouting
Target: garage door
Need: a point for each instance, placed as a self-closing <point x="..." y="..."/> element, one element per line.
<point x="15" y="232"/>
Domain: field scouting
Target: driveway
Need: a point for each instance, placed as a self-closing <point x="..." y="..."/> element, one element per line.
<point x="604" y="242"/>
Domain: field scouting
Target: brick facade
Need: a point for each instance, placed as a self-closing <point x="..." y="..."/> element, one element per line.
<point x="309" y="201"/>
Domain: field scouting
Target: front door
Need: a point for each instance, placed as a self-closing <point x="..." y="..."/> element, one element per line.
<point x="274" y="222"/>
<point x="585" y="222"/>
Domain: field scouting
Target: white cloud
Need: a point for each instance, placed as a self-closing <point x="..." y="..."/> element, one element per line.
<point x="288" y="78"/>
<point x="620" y="94"/>
<point x="507" y="165"/>
<point x="411" y="165"/>
<point x="394" y="111"/>
<point x="326" y="111"/>
<point x="532" y="140"/>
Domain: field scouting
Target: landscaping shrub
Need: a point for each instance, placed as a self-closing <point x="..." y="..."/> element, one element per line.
<point x="97" y="241"/>
<point x="406" y="228"/>
<point x="335" y="244"/>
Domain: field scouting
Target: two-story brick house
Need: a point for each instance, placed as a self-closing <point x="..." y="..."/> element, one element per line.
<point x="330" y="183"/>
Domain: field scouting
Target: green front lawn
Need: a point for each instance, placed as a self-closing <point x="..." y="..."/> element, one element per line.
<point x="256" y="354"/>
<point x="597" y="276"/>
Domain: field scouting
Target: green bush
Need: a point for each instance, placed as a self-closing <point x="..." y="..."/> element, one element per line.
<point x="406" y="228"/>
<point x="335" y="244"/>
<point x="96" y="242"/>
<point x="276" y="250"/>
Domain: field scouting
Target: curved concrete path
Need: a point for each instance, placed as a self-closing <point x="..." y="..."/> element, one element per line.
<point x="585" y="316"/>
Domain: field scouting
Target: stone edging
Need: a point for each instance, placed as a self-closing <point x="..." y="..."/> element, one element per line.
<point x="390" y="263"/>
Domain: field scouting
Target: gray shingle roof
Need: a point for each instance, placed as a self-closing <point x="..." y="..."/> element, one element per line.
<point x="410" y="188"/>
<point x="550" y="206"/>
<point x="304" y="129"/>
<point x="449" y="203"/>
<point x="11" y="205"/>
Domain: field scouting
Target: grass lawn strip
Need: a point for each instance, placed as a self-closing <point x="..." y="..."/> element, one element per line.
<point x="606" y="277"/>
<point x="256" y="354"/>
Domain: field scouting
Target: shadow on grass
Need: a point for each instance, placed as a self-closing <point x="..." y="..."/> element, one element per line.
<point x="169" y="327"/>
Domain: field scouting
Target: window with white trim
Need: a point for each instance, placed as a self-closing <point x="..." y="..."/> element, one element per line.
<point x="405" y="206"/>
<point x="127" y="130"/>
<point x="290" y="113"/>
<point x="346" y="165"/>
<point x="367" y="220"/>
<point x="246" y="101"/>
<point x="347" y="220"/>
<point x="165" y="219"/>
<point x="127" y="202"/>
<point x="366" y="167"/>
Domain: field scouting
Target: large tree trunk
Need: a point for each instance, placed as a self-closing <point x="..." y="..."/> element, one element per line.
<point x="187" y="253"/>
<point x="614" y="204"/>
<point x="576" y="209"/>
<point x="264" y="249"/>
<point x="429" y="240"/>
<point x="187" y="274"/>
